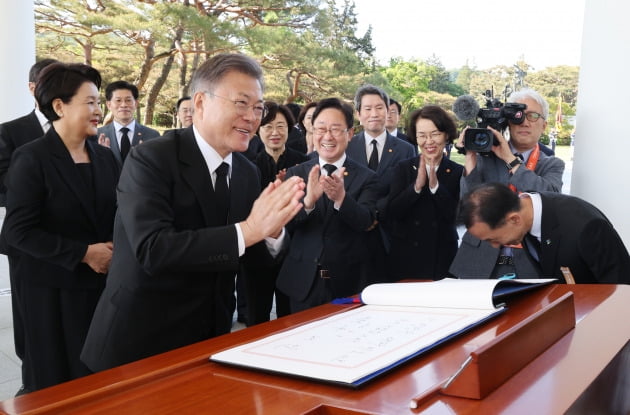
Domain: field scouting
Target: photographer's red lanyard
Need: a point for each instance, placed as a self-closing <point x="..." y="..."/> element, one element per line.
<point x="532" y="161"/>
<point x="530" y="165"/>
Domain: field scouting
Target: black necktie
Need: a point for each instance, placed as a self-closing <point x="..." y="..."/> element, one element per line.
<point x="222" y="192"/>
<point x="330" y="168"/>
<point x="519" y="155"/>
<point x="373" y="163"/>
<point x="125" y="144"/>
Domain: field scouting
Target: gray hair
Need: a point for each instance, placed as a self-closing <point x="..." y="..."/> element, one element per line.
<point x="531" y="94"/>
<point x="214" y="69"/>
<point x="369" y="89"/>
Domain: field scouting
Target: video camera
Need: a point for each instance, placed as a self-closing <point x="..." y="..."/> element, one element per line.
<point x="495" y="114"/>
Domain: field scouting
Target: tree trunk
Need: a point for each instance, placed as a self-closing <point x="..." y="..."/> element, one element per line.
<point x="159" y="82"/>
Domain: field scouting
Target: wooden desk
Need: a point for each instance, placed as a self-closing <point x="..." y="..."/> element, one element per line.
<point x="185" y="382"/>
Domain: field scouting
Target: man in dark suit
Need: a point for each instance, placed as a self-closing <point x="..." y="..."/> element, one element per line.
<point x="377" y="149"/>
<point x="124" y="131"/>
<point x="22" y="130"/>
<point x="190" y="211"/>
<point x="392" y="120"/>
<point x="556" y="230"/>
<point x="328" y="255"/>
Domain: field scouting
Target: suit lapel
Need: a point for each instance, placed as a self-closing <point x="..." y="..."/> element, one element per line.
<point x="137" y="135"/>
<point x="388" y="154"/>
<point x="356" y="151"/>
<point x="195" y="173"/>
<point x="62" y="161"/>
<point x="34" y="127"/>
<point x="239" y="189"/>
<point x="349" y="174"/>
<point x="551" y="239"/>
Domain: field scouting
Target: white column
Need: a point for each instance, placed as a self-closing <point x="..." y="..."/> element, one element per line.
<point x="17" y="55"/>
<point x="601" y="167"/>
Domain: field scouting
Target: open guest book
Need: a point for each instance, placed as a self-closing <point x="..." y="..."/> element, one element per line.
<point x="398" y="322"/>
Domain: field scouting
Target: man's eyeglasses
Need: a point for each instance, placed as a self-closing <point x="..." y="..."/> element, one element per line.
<point x="260" y="111"/>
<point x="335" y="132"/>
<point x="533" y="116"/>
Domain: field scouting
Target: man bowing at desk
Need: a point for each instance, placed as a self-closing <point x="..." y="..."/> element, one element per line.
<point x="189" y="211"/>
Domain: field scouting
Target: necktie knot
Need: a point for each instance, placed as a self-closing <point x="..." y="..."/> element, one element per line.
<point x="519" y="155"/>
<point x="222" y="170"/>
<point x="330" y="168"/>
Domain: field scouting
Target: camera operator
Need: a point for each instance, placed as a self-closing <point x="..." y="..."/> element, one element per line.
<point x="520" y="164"/>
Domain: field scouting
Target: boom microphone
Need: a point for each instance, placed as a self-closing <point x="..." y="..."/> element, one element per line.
<point x="466" y="108"/>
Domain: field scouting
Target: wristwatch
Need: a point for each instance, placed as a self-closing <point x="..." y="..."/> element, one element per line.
<point x="513" y="163"/>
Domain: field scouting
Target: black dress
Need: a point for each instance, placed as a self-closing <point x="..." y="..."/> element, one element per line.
<point x="55" y="209"/>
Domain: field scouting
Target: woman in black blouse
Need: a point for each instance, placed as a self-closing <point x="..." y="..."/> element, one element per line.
<point x="57" y="233"/>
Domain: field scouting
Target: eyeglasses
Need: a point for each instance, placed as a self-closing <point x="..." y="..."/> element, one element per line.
<point x="268" y="128"/>
<point x="434" y="135"/>
<point x="392" y="112"/>
<point x="335" y="132"/>
<point x="533" y="116"/>
<point x="260" y="111"/>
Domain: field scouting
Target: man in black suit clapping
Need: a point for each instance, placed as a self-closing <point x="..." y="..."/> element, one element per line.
<point x="190" y="211"/>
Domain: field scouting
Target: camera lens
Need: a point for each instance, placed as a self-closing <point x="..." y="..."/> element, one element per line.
<point x="481" y="139"/>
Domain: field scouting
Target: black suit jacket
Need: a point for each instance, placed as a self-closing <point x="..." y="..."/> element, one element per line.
<point x="171" y="280"/>
<point x="577" y="235"/>
<point x="423" y="232"/>
<point x="14" y="134"/>
<point x="296" y="140"/>
<point x="334" y="239"/>
<point x="407" y="139"/>
<point x="50" y="217"/>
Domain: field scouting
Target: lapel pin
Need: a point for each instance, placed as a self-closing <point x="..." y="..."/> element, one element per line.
<point x="345" y="173"/>
<point x="390" y="150"/>
<point x="548" y="241"/>
<point x="448" y="170"/>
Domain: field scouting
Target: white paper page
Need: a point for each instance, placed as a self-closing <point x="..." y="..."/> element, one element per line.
<point x="351" y="345"/>
<point x="449" y="292"/>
